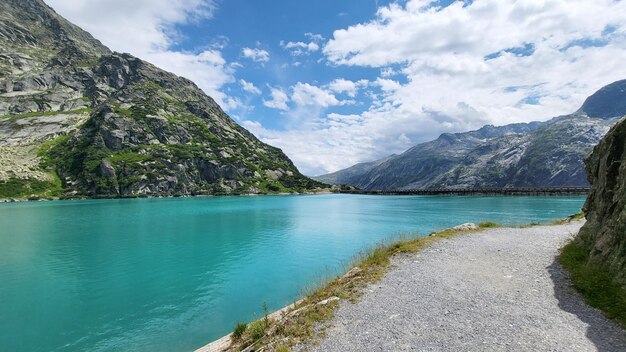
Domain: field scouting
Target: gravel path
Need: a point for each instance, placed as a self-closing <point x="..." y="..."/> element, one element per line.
<point x="497" y="290"/>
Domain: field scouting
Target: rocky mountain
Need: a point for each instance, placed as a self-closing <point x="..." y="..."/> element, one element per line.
<point x="79" y="120"/>
<point x="604" y="233"/>
<point x="519" y="155"/>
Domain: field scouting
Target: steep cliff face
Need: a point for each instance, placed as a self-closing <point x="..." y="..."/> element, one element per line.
<point x="604" y="233"/>
<point x="79" y="120"/>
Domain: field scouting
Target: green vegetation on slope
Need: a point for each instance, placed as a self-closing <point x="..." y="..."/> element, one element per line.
<point x="594" y="282"/>
<point x="29" y="188"/>
<point x="13" y="117"/>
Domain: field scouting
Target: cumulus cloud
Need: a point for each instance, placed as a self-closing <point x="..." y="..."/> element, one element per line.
<point x="306" y="94"/>
<point x="458" y="67"/>
<point x="303" y="48"/>
<point x="279" y="99"/>
<point x="146" y="29"/>
<point x="256" y="55"/>
<point x="341" y="85"/>
<point x="249" y="87"/>
<point x="387" y="85"/>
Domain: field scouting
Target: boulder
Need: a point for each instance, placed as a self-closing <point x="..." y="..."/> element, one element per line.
<point x="465" y="227"/>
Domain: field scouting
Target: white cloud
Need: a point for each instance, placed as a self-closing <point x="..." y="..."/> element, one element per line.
<point x="457" y="68"/>
<point x="303" y="48"/>
<point x="298" y="48"/>
<point x="388" y="72"/>
<point x="387" y="85"/>
<point x="403" y="34"/>
<point x="306" y="94"/>
<point x="145" y="28"/>
<point x="249" y="87"/>
<point x="341" y="85"/>
<point x="279" y="99"/>
<point x="256" y="55"/>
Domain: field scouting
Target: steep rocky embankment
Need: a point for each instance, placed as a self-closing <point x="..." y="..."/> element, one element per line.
<point x="79" y="120"/>
<point x="604" y="234"/>
<point x="537" y="154"/>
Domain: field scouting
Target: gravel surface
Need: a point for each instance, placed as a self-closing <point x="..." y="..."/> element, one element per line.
<point x="497" y="290"/>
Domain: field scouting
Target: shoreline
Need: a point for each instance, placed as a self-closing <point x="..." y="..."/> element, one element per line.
<point x="320" y="192"/>
<point x="354" y="273"/>
<point x="20" y="200"/>
<point x="224" y="342"/>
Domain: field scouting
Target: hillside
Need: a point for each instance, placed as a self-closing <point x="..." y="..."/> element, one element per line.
<point x="78" y="120"/>
<point x="536" y="154"/>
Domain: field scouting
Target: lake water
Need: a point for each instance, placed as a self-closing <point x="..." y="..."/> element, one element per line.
<point x="174" y="274"/>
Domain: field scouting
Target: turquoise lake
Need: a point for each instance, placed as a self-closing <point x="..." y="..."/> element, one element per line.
<point x="174" y="274"/>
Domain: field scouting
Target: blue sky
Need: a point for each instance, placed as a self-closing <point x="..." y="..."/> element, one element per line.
<point x="333" y="83"/>
<point x="268" y="27"/>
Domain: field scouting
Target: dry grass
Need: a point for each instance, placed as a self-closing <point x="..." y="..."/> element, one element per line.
<point x="574" y="217"/>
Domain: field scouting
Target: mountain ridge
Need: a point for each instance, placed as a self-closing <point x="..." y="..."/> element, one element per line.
<point x="535" y="154"/>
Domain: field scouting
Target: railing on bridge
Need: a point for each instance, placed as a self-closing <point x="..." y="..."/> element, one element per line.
<point x="478" y="191"/>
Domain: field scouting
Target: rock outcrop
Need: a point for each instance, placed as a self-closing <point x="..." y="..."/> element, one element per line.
<point x="93" y="123"/>
<point x="604" y="233"/>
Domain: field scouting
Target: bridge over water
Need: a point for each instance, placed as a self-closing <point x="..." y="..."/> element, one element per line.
<point x="525" y="191"/>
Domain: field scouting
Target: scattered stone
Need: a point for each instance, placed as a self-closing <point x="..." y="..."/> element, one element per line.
<point x="352" y="273"/>
<point x="465" y="227"/>
<point x="328" y="300"/>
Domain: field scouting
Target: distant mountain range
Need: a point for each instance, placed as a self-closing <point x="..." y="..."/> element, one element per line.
<point x="518" y="155"/>
<point x="78" y="120"/>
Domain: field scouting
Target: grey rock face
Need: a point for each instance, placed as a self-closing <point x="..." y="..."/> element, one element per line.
<point x="605" y="230"/>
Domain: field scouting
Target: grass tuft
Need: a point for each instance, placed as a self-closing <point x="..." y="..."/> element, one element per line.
<point x="257" y="329"/>
<point x="488" y="224"/>
<point x="574" y="217"/>
<point x="594" y="282"/>
<point x="578" y="216"/>
<point x="240" y="329"/>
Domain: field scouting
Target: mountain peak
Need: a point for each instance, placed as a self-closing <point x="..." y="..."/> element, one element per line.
<point x="33" y="24"/>
<point x="608" y="102"/>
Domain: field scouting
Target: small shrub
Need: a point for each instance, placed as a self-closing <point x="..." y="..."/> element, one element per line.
<point x="282" y="349"/>
<point x="266" y="319"/>
<point x="257" y="329"/>
<point x="273" y="188"/>
<point x="488" y="224"/>
<point x="240" y="328"/>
